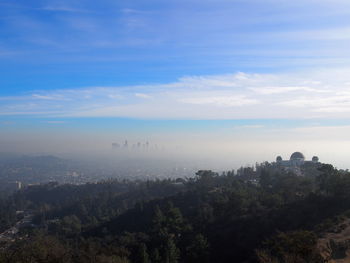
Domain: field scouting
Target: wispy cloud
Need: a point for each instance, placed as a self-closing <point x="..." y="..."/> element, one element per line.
<point x="143" y="96"/>
<point x="274" y="34"/>
<point x="63" y="9"/>
<point x="335" y="102"/>
<point x="286" y="89"/>
<point x="227" y="101"/>
<point x="48" y="97"/>
<point x="312" y="94"/>
<point x="330" y="34"/>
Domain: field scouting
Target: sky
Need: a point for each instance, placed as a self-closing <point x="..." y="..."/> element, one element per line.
<point x="243" y="81"/>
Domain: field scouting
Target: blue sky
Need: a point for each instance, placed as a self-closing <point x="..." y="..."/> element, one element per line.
<point x="156" y="67"/>
<point x="73" y="44"/>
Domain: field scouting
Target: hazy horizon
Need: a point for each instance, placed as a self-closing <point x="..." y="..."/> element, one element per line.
<point x="232" y="82"/>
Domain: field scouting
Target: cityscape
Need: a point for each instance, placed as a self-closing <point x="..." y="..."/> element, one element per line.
<point x="178" y="131"/>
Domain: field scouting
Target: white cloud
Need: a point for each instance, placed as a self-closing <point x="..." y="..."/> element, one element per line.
<point x="338" y="102"/>
<point x="47" y="97"/>
<point x="63" y="9"/>
<point x="278" y="90"/>
<point x="331" y="34"/>
<point x="143" y="96"/>
<point x="115" y="96"/>
<point x="312" y="94"/>
<point x="228" y="101"/>
<point x="333" y="109"/>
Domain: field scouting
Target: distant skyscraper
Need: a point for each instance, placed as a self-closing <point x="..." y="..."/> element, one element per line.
<point x="115" y="145"/>
<point x="17" y="185"/>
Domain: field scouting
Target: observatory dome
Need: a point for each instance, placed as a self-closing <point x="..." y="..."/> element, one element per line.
<point x="297" y="156"/>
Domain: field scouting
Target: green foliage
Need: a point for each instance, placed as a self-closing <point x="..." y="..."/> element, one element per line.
<point x="297" y="246"/>
<point x="143" y="256"/>
<point x="198" y="250"/>
<point x="156" y="258"/>
<point x="171" y="252"/>
<point x="209" y="218"/>
<point x="38" y="249"/>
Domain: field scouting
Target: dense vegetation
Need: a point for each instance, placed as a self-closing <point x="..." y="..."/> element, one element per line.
<point x="268" y="215"/>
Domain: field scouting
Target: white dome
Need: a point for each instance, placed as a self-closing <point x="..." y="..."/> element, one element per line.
<point x="297" y="156"/>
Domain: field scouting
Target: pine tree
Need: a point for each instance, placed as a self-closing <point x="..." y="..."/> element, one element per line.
<point x="198" y="250"/>
<point x="143" y="256"/>
<point x="172" y="253"/>
<point x="156" y="258"/>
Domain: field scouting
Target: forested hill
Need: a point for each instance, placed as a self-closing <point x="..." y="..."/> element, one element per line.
<point x="263" y="215"/>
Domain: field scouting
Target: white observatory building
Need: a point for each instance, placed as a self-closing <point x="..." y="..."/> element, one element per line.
<point x="297" y="159"/>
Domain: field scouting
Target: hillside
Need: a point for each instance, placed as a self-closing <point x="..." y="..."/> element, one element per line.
<point x="266" y="215"/>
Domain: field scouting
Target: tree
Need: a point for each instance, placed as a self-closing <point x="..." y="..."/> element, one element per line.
<point x="198" y="250"/>
<point x="171" y="252"/>
<point x="156" y="258"/>
<point x="143" y="256"/>
<point x="296" y="246"/>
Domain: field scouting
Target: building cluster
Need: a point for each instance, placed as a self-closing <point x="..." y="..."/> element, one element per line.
<point x="13" y="186"/>
<point x="297" y="159"/>
<point x="134" y="146"/>
<point x="11" y="234"/>
<point x="295" y="163"/>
